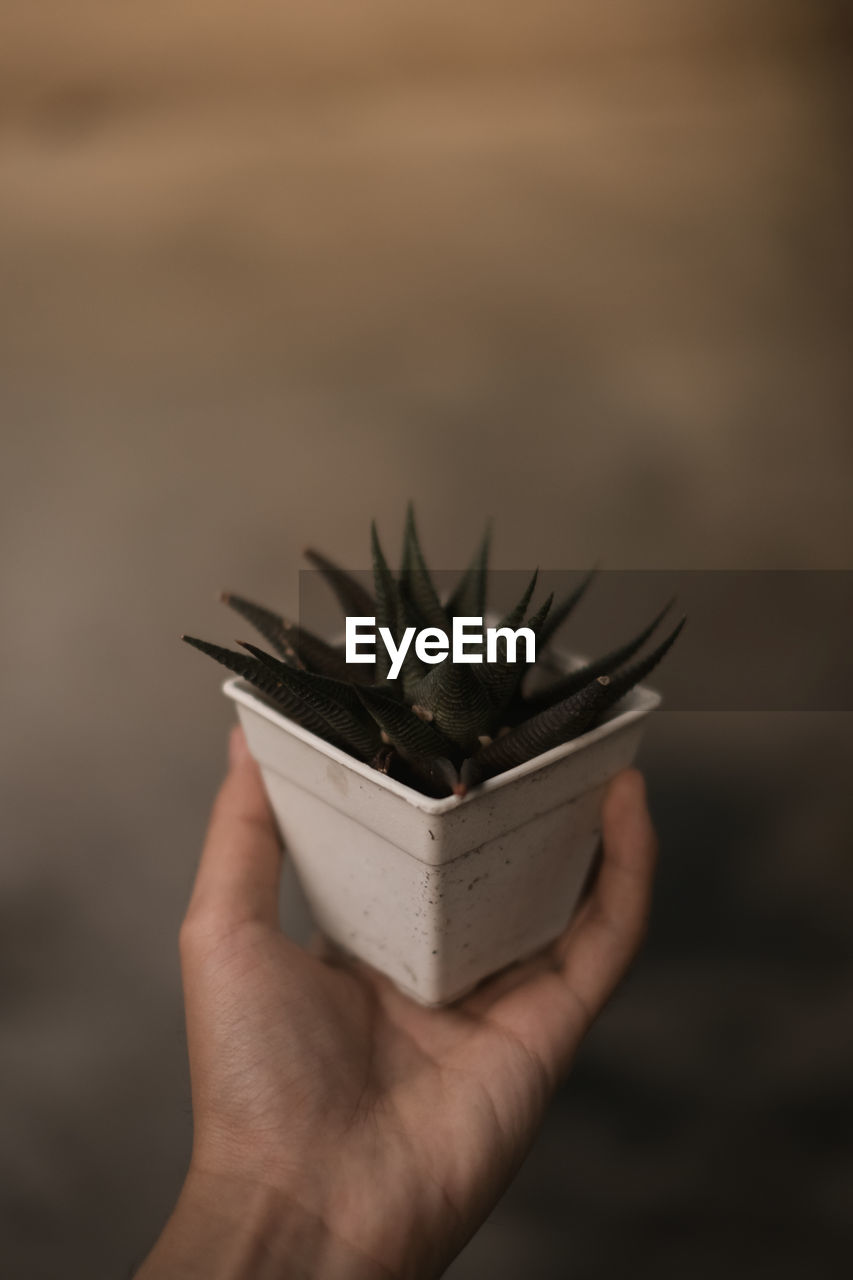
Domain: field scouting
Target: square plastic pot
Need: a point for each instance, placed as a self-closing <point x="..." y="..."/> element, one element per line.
<point x="439" y="894"/>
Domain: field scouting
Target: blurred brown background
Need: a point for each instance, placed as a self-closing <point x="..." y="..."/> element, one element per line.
<point x="267" y="270"/>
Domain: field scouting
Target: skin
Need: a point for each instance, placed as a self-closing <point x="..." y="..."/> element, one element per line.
<point x="340" y="1130"/>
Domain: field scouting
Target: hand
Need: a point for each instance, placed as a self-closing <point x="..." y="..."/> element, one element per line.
<point x="340" y="1129"/>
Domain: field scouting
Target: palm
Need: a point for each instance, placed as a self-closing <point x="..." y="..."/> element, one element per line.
<point x="343" y="1092"/>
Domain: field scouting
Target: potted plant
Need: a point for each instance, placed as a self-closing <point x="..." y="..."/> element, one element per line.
<point x="441" y="809"/>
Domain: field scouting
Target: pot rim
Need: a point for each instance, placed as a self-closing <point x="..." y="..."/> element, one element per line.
<point x="640" y="702"/>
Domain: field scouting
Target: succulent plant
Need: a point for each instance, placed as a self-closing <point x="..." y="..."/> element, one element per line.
<point x="444" y="728"/>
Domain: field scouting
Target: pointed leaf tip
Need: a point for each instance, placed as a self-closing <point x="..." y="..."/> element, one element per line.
<point x="348" y="590"/>
<point x="567" y="605"/>
<point x="468" y="597"/>
<point x="416" y="585"/>
<point x="622" y="682"/>
<point x="575" y="680"/>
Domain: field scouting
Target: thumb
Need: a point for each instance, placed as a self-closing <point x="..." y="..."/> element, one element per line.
<point x="240" y="868"/>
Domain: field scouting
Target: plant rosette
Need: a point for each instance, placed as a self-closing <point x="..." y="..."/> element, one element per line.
<point x="441" y="807"/>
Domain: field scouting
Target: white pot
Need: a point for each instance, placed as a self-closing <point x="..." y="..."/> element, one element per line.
<point x="438" y="894"/>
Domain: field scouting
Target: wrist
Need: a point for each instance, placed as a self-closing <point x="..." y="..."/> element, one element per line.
<point x="226" y="1228"/>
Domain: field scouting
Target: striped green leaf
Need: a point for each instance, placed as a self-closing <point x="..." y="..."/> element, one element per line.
<point x="415" y="580"/>
<point x="568" y="684"/>
<point x="266" y="682"/>
<point x="468" y="598"/>
<point x="354" y="599"/>
<point x="334" y="701"/>
<point x="550" y="728"/>
<point x="566" y="607"/>
<point x="413" y="737"/>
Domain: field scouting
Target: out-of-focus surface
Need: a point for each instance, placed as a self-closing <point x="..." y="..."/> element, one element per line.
<point x="265" y="272"/>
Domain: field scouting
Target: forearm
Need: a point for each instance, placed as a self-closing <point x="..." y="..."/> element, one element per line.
<point x="225" y="1229"/>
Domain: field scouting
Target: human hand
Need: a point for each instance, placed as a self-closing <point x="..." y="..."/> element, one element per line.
<point x="342" y="1131"/>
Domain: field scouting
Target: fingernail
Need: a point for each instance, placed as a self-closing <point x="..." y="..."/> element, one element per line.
<point x="238" y="749"/>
